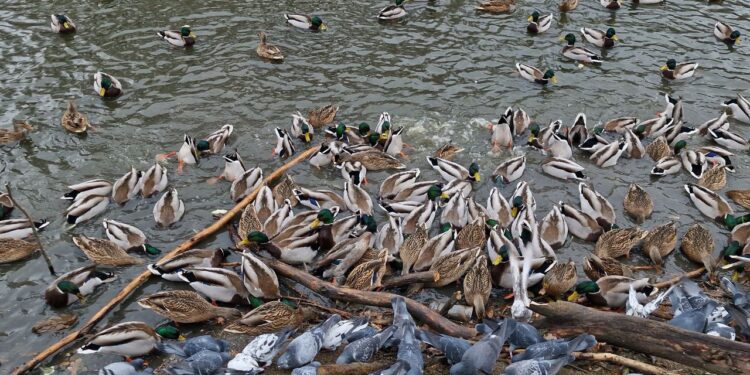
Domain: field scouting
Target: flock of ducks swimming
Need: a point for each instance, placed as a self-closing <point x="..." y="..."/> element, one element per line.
<point x="435" y="225"/>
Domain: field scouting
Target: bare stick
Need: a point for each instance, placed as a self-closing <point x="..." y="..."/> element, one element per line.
<point x="667" y="283"/>
<point x="33" y="230"/>
<point x="408" y="279"/>
<point x="623" y="361"/>
<point x="140" y="279"/>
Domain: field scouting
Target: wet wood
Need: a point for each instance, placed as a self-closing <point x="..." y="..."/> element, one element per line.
<point x="141" y="278"/>
<point x="692" y="274"/>
<point x="408" y="279"/>
<point x="708" y="353"/>
<point x="623" y="361"/>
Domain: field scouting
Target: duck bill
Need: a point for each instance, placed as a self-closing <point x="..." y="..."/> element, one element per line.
<point x="243" y="243"/>
<point x="66" y="25"/>
<point x="102" y="91"/>
<point x="573" y="296"/>
<point x="554" y="80"/>
<point x="192" y="35"/>
<point x="384" y="136"/>
<point x="81" y="297"/>
<point x="477" y="177"/>
<point x="316" y="223"/>
<point x="514" y="211"/>
<point x="181" y="338"/>
<point x="615" y="38"/>
<point x="530" y="18"/>
<point x="498" y="259"/>
<point x="445" y="196"/>
<point x="663" y="68"/>
<point x="323" y="26"/>
<point x="307" y="137"/>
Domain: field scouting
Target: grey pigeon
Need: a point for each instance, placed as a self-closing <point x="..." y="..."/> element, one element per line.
<point x="523" y="336"/>
<point x="303" y="349"/>
<point x="539" y="367"/>
<point x="721" y="330"/>
<point x="334" y="336"/>
<point x="264" y="347"/>
<point x="365" y="348"/>
<point x="480" y="358"/>
<point x="400" y="367"/>
<point x="556" y="348"/>
<point x="409" y="352"/>
<point x="205" y="362"/>
<point x="452" y="347"/>
<point x="741" y="317"/>
<point x="193" y="345"/>
<point x="739" y="296"/>
<point x="310" y="369"/>
<point x="363" y="332"/>
<point x="125" y="368"/>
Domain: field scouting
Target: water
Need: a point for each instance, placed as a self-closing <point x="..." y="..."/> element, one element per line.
<point x="442" y="73"/>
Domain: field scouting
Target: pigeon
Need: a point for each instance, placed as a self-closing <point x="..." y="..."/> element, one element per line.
<point x="205" y="362"/>
<point x="193" y="345"/>
<point x="480" y="358"/>
<point x="741" y="317"/>
<point x="400" y="367"/>
<point x="539" y="367"/>
<point x="555" y="348"/>
<point x="125" y="368"/>
<point x="634" y="308"/>
<point x="523" y="336"/>
<point x="739" y="297"/>
<point x="334" y="336"/>
<point x="303" y="349"/>
<point x="409" y="352"/>
<point x="695" y="311"/>
<point x="452" y="347"/>
<point x="310" y="369"/>
<point x="262" y="349"/>
<point x="357" y="334"/>
<point x="365" y="348"/>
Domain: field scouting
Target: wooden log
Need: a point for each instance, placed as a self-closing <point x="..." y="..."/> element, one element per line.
<point x="408" y="279"/>
<point x="420" y="312"/>
<point x="667" y="283"/>
<point x="708" y="353"/>
<point x="623" y="361"/>
<point x="140" y="279"/>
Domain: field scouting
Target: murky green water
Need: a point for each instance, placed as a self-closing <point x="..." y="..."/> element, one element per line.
<point x="441" y="73"/>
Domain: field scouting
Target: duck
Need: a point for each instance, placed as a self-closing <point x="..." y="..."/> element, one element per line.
<point x="498" y="208"/>
<point x="580" y="224"/>
<point x="496" y="6"/>
<point x="218" y="139"/>
<point x="74" y="121"/>
<point x="739" y="107"/>
<point x="714" y="178"/>
<point x="418" y="192"/>
<point x="6" y="205"/>
<point x="726" y="33"/>
<point x="268" y="51"/>
<point x="265" y="204"/>
<point x="154" y="180"/>
<point x="619" y="124"/>
<point x="597" y="267"/>
<point x="279" y="219"/>
<point x="741" y="197"/>
<point x="618" y="242"/>
<point x="560" y="278"/>
<point x="344" y="255"/>
<point x="672" y="70"/>
<point x="292" y="250"/>
<point x="472" y="235"/>
<point x="105" y="252"/>
<point x="612" y="291"/>
<point x="666" y="166"/>
<point x="75" y="285"/>
<point x="189" y="152"/>
<point x="20" y="128"/>
<point x="390" y="236"/>
<point x="638" y="203"/>
<point x="440" y="244"/>
<point x="611" y="4"/>
<point x="450" y="267"/>
<point x="269" y="317"/>
<point x="553" y="229"/>
<point x="303" y="21"/>
<point x="720" y="123"/>
<point x="185" y="306"/>
<point x="284" y="146"/>
<point x="86" y="208"/>
<point x="322" y="116"/>
<point x="106" y="85"/>
<point x="502" y="133"/>
<point x="594" y="142"/>
<point x="652" y="126"/>
<point x="447" y="151"/>
<point x="578" y="53"/>
<point x="393" y="11"/>
<point x="659" y="149"/>
<point x="317" y="199"/>
<point x="510" y="170"/>
<point x="411" y="247"/>
<point x="259" y="279"/>
<point x="659" y="242"/>
<point x="449" y="170"/>
<point x="563" y="168"/>
<point x="167" y="269"/>
<point x="184" y="37"/>
<point x="558" y="147"/>
<point x="718" y="156"/>
<point x="729" y="140"/>
<point x="601" y="39"/>
<point x="368" y="275"/>
<point x="373" y="159"/>
<point x="578" y="132"/>
<point x="521" y="119"/>
<point x="301" y="129"/>
<point x="169" y="208"/>
<point x="455" y="212"/>
<point x="19" y="229"/>
<point x="422" y="215"/>
<point x="217" y="284"/>
<point x="357" y="199"/>
<point x="568" y="5"/>
<point x="538" y="23"/>
<point x="127" y="186"/>
<point x="635" y="148"/>
<point x="283" y="190"/>
<point x="698" y="246"/>
<point x="478" y="285"/>
<point x="62" y="24"/>
<point x="129" y="339"/>
<point x="708" y="202"/>
<point x="608" y="155"/>
<point x="246" y="183"/>
<point x="13" y="250"/>
<point x="534" y="74"/>
<point x="596" y="205"/>
<point x="127" y="237"/>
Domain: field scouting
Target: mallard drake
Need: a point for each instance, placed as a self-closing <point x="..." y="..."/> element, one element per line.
<point x="594" y="142"/>
<point x="304" y="21"/>
<point x="613" y="290"/>
<point x="714" y="124"/>
<point x="301" y="129"/>
<point x="635" y="149"/>
<point x="75" y="285"/>
<point x="106" y="85"/>
<point x="13" y="250"/>
<point x="579" y="131"/>
<point x="357" y="199"/>
<point x="499" y="209"/>
<point x="317" y="199"/>
<point x="411" y="247"/>
<point x="472" y="235"/>
<point x="86" y="208"/>
<point x="521" y="120"/>
<point x="154" y="180"/>
<point x="597" y="267"/>
<point x="538" y="23"/>
<point x="618" y="242"/>
<point x="101" y="251"/>
<point x="578" y="53"/>
<point x="185" y="306"/>
<point x="448" y="268"/>
<point x="392" y="12"/>
<point x="638" y="203"/>
<point x="674" y="71"/>
<point x="659" y="242"/>
<point x="502" y="133"/>
<point x="284" y="146"/>
<point x="714" y="178"/>
<point x="62" y="24"/>
<point x="324" y="224"/>
<point x="558" y="147"/>
<point x="455" y="212"/>
<point x="611" y="4"/>
<point x="218" y="284"/>
<point x="127" y="237"/>
<point x="523" y="191"/>
<point x="596" y="205"/>
<point x="726" y="33"/>
<point x="510" y="170"/>
<point x="265" y="203"/>
<point x="269" y="317"/>
<point x="397" y="182"/>
<point x="698" y="246"/>
<point x="441" y="244"/>
<point x="169" y="208"/>
<point x="390" y="236"/>
<point x="189" y="152"/>
<point x="418" y="192"/>
<point x="562" y="169"/>
<point x="6" y="205"/>
<point x="496" y="6"/>
<point x="127" y="186"/>
<point x="600" y="38"/>
<point x="741" y="197"/>
<point x="246" y="183"/>
<point x="292" y="250"/>
<point x="268" y="51"/>
<point x="20" y="128"/>
<point x="580" y="224"/>
<point x="259" y="279"/>
<point x="667" y="165"/>
<point x="72" y="120"/>
<point x="708" y="202"/>
<point x="740" y="108"/>
<point x="19" y="228"/>
<point x="478" y="285"/>
<point x="447" y="151"/>
<point x="659" y="149"/>
<point x="608" y="155"/>
<point x="168" y="268"/>
<point x="652" y="126"/>
<point x="449" y="170"/>
<point x="128" y="339"/>
<point x="368" y="276"/>
<point x="218" y="139"/>
<point x="373" y="159"/>
<point x="184" y="37"/>
<point x="279" y="219"/>
<point x="345" y="255"/>
<point x="568" y="5"/>
<point x="553" y="229"/>
<point x="729" y="140"/>
<point x="619" y="124"/>
<point x="560" y="279"/>
<point x="395" y="144"/>
<point x="422" y="215"/>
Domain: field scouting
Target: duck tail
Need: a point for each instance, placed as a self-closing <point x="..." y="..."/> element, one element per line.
<point x="227" y="312"/>
<point x="161" y="34"/>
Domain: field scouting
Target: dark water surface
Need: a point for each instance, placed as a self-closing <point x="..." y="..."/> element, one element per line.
<point x="441" y="73"/>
